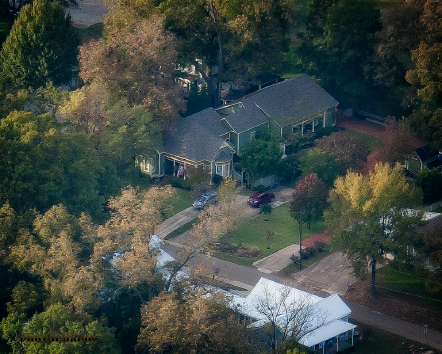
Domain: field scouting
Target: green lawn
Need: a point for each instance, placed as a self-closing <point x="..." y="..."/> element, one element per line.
<point x="373" y="340"/>
<point x="254" y="234"/>
<point x="179" y="201"/>
<point x="407" y="283"/>
<point x="372" y="142"/>
<point x="182" y="229"/>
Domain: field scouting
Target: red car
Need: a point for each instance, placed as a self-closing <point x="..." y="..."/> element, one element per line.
<point x="259" y="198"/>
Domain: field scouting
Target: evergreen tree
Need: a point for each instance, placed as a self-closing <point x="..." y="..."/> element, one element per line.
<point x="41" y="47"/>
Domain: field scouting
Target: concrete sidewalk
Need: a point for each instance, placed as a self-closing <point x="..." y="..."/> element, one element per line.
<point x="277" y="261"/>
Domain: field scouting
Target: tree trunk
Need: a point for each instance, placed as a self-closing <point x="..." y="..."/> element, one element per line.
<point x="220" y="38"/>
<point x="373" y="278"/>
<point x="216" y="98"/>
<point x="212" y="86"/>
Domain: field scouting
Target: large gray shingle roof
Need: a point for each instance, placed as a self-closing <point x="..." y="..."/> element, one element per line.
<point x="245" y="118"/>
<point x="293" y="99"/>
<point x="197" y="137"/>
<point x="286" y="102"/>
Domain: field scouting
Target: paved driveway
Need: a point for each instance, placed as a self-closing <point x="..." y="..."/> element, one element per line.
<point x="331" y="274"/>
<point x="88" y="12"/>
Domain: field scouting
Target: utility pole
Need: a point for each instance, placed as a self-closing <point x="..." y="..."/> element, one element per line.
<point x="300" y="239"/>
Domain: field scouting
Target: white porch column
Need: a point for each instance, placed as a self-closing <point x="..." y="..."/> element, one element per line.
<point x="323" y="120"/>
<point x="323" y="347"/>
<point x="302" y="128"/>
<point x="352" y="334"/>
<point x="184" y="171"/>
<point x="337" y="343"/>
<point x="313" y="126"/>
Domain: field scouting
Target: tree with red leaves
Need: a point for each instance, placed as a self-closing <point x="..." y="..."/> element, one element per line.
<point x="310" y="197"/>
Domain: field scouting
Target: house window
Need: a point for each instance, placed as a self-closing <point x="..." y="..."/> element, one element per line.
<point x="252" y="135"/>
<point x="226" y="170"/>
<point x="219" y="170"/>
<point x="146" y="166"/>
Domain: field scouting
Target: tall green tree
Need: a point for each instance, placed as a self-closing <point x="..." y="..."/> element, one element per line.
<point x="41" y="47"/>
<point x="338" y="41"/>
<point x="261" y="157"/>
<point x="9" y="10"/>
<point x="57" y="319"/>
<point x="242" y="38"/>
<point x="431" y="183"/>
<point x="42" y="167"/>
<point x="322" y="163"/>
<point x="369" y="218"/>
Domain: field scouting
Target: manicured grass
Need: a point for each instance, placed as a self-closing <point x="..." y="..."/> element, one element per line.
<point x="294" y="268"/>
<point x="182" y="229"/>
<point x="373" y="340"/>
<point x="372" y="142"/>
<point x="254" y="233"/>
<point x="180" y="200"/>
<point x="405" y="282"/>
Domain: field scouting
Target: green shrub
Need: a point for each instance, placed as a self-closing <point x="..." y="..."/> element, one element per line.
<point x="266" y="208"/>
<point x="180" y="183"/>
<point x="260" y="188"/>
<point x="217" y="179"/>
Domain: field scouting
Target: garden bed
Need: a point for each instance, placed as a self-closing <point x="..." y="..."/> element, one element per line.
<point x="235" y="250"/>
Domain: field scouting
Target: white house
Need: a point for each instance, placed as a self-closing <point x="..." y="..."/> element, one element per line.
<point x="326" y="321"/>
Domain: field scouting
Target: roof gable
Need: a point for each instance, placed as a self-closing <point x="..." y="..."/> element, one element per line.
<point x="291" y="100"/>
<point x="287" y="102"/>
<point x="197" y="137"/>
<point x="245" y="116"/>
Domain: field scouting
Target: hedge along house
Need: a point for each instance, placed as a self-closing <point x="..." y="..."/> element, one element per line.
<point x="208" y="139"/>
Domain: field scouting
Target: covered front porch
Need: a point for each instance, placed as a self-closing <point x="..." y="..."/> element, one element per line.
<point x="330" y="338"/>
<point x="179" y="167"/>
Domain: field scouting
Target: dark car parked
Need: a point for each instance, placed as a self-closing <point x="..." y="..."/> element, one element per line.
<point x="259" y="198"/>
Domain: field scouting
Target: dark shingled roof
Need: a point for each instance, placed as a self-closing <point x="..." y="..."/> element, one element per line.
<point x="434" y="164"/>
<point x="223" y="157"/>
<point x="197" y="137"/>
<point x="287" y="102"/>
<point x="425" y="153"/>
<point x="245" y="118"/>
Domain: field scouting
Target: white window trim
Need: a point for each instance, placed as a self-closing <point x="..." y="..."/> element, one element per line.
<point x="225" y="169"/>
